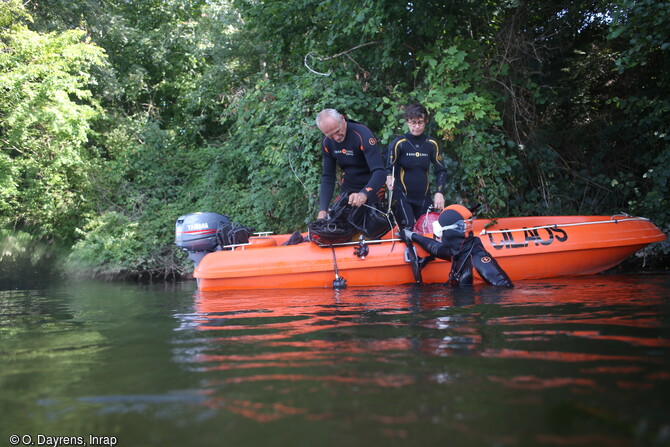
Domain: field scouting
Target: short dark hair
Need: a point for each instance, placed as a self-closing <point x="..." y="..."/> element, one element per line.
<point x="415" y="111"/>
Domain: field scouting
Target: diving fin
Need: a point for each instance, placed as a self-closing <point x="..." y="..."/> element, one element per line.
<point x="413" y="259"/>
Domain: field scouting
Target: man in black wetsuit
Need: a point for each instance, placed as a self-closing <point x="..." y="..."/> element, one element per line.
<point x="457" y="243"/>
<point x="408" y="163"/>
<point x="354" y="148"/>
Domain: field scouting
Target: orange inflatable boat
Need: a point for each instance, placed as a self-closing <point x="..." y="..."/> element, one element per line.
<point x="525" y="247"/>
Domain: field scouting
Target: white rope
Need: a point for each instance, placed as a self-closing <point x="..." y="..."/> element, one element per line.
<point x="368" y="242"/>
<point x="310" y="68"/>
<point x="295" y="174"/>
<point x="613" y="220"/>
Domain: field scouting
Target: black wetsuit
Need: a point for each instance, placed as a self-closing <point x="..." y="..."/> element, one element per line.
<point x="359" y="158"/>
<point x="465" y="252"/>
<point x="412" y="157"/>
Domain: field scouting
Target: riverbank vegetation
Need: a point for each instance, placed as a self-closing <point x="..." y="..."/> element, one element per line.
<point x="118" y="116"/>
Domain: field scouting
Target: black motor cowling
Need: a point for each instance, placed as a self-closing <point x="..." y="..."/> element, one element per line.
<point x="202" y="233"/>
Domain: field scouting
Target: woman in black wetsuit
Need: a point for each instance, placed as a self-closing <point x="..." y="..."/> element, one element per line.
<point x="408" y="161"/>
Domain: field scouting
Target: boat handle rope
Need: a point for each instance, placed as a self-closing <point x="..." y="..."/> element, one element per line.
<point x="339" y="282"/>
<point x="612" y="220"/>
<point x="345" y="244"/>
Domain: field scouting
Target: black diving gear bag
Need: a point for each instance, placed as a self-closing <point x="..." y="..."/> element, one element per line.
<point x="335" y="228"/>
<point x="344" y="222"/>
<point x="370" y="220"/>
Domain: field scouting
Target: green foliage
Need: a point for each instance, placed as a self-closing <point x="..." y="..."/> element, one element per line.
<point x="466" y="113"/>
<point x="642" y="29"/>
<point x="644" y="24"/>
<point x="110" y="247"/>
<point x="8" y="190"/>
<point x="487" y="169"/>
<point x="12" y="13"/>
<point x="139" y="199"/>
<point x="47" y="111"/>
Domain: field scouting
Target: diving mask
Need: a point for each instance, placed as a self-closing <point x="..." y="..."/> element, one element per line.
<point x="462" y="226"/>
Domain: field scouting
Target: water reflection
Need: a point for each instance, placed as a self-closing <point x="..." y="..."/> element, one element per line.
<point x="566" y="356"/>
<point x="579" y="362"/>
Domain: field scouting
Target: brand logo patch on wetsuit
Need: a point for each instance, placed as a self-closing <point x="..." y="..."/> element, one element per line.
<point x="415" y="154"/>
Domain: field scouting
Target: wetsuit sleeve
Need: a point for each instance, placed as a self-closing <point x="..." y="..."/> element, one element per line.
<point x="373" y="158"/>
<point x="488" y="268"/>
<point x="438" y="164"/>
<point x="432" y="246"/>
<point x="329" y="166"/>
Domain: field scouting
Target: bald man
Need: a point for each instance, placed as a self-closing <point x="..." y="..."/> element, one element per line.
<point x="355" y="149"/>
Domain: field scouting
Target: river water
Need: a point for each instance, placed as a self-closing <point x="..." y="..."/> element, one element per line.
<point x="560" y="362"/>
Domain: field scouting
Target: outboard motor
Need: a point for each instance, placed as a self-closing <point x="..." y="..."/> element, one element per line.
<point x="201" y="233"/>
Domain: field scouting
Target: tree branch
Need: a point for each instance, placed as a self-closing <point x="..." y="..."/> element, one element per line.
<point x="374" y="42"/>
<point x="344" y="53"/>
